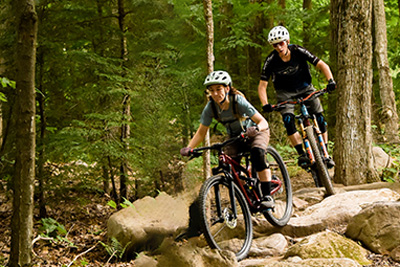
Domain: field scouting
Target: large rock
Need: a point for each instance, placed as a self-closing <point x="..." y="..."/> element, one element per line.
<point x="173" y="254"/>
<point x="334" y="210"/>
<point x="339" y="262"/>
<point x="377" y="226"/>
<point x="273" y="245"/>
<point x="145" y="225"/>
<point x="381" y="158"/>
<point x="328" y="245"/>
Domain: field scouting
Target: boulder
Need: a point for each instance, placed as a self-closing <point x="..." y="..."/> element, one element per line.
<point x="145" y="225"/>
<point x="173" y="254"/>
<point x="381" y="158"/>
<point x="273" y="245"/>
<point x="334" y="210"/>
<point x="377" y="226"/>
<point x="395" y="254"/>
<point x="328" y="244"/>
<point x="339" y="262"/>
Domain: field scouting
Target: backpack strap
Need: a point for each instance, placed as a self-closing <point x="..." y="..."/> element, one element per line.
<point x="214" y="110"/>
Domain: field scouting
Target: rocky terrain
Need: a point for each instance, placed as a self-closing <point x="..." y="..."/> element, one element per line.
<point x="359" y="226"/>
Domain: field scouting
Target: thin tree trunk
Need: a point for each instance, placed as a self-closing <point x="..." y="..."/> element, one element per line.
<point x="210" y="67"/>
<point x="254" y="53"/>
<point x="126" y="103"/>
<point x="41" y="155"/>
<point x="389" y="115"/>
<point x="23" y="187"/>
<point x="353" y="147"/>
<point x="306" y="24"/>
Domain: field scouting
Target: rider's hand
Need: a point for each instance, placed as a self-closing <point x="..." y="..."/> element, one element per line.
<point x="252" y="131"/>
<point x="331" y="86"/>
<point x="185" y="151"/>
<point x="267" y="108"/>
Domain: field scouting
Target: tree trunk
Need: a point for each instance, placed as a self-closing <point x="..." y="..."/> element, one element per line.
<point x="126" y="104"/>
<point x="254" y="60"/>
<point x="210" y="67"/>
<point x="353" y="147"/>
<point x="228" y="57"/>
<point x="389" y="115"/>
<point x="24" y="177"/>
<point x="41" y="149"/>
<point x="306" y="24"/>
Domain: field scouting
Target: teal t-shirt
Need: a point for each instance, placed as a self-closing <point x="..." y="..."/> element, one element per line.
<point x="233" y="126"/>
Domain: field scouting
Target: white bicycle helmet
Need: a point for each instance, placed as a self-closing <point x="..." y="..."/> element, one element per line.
<point x="278" y="34"/>
<point x="218" y="77"/>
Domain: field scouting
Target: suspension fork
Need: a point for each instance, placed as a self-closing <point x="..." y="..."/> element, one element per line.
<point x="232" y="198"/>
<point x="305" y="139"/>
<point x="320" y="138"/>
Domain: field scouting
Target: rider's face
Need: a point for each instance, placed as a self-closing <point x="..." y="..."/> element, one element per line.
<point x="281" y="47"/>
<point x="217" y="92"/>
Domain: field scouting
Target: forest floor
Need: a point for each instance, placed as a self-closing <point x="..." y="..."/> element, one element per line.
<point x="84" y="216"/>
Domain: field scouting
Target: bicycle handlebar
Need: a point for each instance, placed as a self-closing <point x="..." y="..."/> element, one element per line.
<point x="197" y="152"/>
<point x="315" y="94"/>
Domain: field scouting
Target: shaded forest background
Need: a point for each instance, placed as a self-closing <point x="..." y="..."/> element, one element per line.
<point x="119" y="91"/>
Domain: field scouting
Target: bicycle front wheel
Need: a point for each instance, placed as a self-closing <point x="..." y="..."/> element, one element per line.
<point x="222" y="228"/>
<point x="322" y="170"/>
<point x="281" y="189"/>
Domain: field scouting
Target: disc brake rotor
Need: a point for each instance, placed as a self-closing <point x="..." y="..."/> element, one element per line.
<point x="230" y="221"/>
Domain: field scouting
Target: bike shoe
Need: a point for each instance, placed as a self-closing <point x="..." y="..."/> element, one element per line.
<point x="330" y="163"/>
<point x="303" y="161"/>
<point x="267" y="202"/>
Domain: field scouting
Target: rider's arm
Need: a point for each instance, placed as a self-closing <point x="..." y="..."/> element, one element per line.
<point x="199" y="136"/>
<point x="262" y="92"/>
<point x="324" y="68"/>
<point x="260" y="120"/>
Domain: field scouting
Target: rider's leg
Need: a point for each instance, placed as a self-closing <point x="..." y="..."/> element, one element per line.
<point x="324" y="130"/>
<point x="264" y="173"/>
<point x="295" y="139"/>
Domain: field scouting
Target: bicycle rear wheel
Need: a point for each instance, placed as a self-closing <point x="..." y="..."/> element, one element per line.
<point x="322" y="170"/>
<point x="220" y="227"/>
<point x="281" y="190"/>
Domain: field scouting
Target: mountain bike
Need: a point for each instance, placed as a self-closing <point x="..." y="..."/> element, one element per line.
<point x="313" y="142"/>
<point x="229" y="198"/>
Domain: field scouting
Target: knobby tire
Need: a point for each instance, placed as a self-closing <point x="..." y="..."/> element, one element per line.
<point x="280" y="215"/>
<point x="220" y="230"/>
<point x="322" y="170"/>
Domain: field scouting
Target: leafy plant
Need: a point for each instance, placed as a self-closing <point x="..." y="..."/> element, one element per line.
<point x="115" y="249"/>
<point x="55" y="231"/>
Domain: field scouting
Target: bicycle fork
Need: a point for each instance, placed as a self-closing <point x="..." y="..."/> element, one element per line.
<point x="320" y="139"/>
<point x="306" y="142"/>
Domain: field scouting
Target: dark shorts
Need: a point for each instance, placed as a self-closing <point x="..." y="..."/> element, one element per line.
<point x="314" y="105"/>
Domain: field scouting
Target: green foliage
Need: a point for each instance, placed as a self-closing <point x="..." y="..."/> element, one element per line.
<point x="115" y="249"/>
<point x="52" y="229"/>
<point x="83" y="80"/>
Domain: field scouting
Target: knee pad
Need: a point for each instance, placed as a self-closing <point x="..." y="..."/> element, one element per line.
<point x="288" y="121"/>
<point x="258" y="159"/>
<point x="321" y="122"/>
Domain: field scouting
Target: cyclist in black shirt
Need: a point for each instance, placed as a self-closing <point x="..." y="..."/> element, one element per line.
<point x="288" y="68"/>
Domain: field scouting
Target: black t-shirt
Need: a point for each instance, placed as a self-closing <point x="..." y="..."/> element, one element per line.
<point x="290" y="76"/>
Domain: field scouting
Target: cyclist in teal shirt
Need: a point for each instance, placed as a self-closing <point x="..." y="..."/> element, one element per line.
<point x="226" y="101"/>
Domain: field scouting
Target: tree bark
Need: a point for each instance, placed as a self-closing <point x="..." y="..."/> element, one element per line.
<point x="23" y="187"/>
<point x="389" y="115"/>
<point x="306" y="25"/>
<point x="254" y="60"/>
<point x="126" y="103"/>
<point x="208" y="14"/>
<point x="353" y="147"/>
